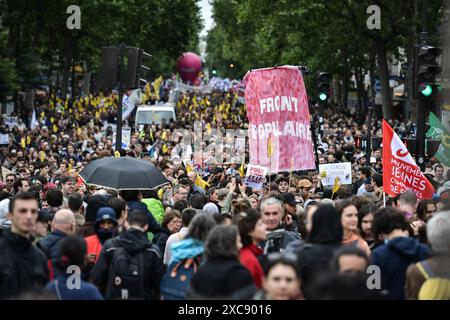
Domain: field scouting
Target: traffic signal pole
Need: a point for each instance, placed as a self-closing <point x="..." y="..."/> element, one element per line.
<point x="121" y="90"/>
<point x="421" y="113"/>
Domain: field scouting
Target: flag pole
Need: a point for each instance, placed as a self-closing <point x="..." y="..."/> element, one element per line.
<point x="384" y="199"/>
<point x="290" y="173"/>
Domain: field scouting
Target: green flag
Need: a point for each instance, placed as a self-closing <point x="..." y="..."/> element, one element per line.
<point x="438" y="131"/>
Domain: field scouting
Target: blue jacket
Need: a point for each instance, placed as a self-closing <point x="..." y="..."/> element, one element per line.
<point x="153" y="225"/>
<point x="51" y="242"/>
<point x="59" y="288"/>
<point x="393" y="258"/>
<point x="187" y="248"/>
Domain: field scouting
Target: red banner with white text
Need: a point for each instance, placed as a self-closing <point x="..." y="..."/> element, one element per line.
<point x="400" y="171"/>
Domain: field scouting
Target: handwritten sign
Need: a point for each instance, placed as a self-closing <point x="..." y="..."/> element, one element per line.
<point x="328" y="172"/>
<point x="255" y="176"/>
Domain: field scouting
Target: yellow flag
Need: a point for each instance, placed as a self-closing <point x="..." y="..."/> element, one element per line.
<point x="189" y="168"/>
<point x="22" y="143"/>
<point x="55" y="128"/>
<point x="78" y="131"/>
<point x="52" y="119"/>
<point x="269" y="147"/>
<point x="151" y="135"/>
<point x="201" y="183"/>
<point x="70" y="167"/>
<point x="42" y="156"/>
<point x="157" y="85"/>
<point x="337" y="184"/>
<point x="164" y="135"/>
<point x="117" y="154"/>
<point x="241" y="169"/>
<point x="164" y="148"/>
<point x="28" y="140"/>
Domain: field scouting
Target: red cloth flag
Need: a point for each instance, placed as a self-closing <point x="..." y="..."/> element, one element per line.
<point x="400" y="171"/>
<point x="277" y="109"/>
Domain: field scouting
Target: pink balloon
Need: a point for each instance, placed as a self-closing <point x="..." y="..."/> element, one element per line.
<point x="189" y="66"/>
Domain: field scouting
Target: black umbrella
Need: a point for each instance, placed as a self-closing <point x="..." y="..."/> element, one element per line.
<point x="123" y="174"/>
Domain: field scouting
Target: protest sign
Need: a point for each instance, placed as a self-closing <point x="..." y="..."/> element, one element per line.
<point x="330" y="171"/>
<point x="277" y="110"/>
<point x="255" y="176"/>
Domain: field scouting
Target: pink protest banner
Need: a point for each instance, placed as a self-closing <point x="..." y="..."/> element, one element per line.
<point x="277" y="109"/>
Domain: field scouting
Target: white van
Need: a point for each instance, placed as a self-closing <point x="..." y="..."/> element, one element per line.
<point x="155" y="114"/>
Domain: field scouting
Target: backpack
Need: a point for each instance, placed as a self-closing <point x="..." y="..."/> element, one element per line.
<point x="278" y="240"/>
<point x="176" y="280"/>
<point x="126" y="274"/>
<point x="435" y="287"/>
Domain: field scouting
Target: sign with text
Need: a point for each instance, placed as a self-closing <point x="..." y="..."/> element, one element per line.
<point x="330" y="171"/>
<point x="255" y="176"/>
<point x="277" y="110"/>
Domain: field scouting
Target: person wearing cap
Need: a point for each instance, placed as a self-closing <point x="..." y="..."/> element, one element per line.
<point x="290" y="209"/>
<point x="304" y="186"/>
<point x="105" y="228"/>
<point x="63" y="225"/>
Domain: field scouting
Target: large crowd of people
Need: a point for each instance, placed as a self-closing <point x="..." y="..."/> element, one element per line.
<point x="206" y="234"/>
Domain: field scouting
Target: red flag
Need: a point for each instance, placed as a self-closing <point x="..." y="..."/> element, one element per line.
<point x="400" y="171"/>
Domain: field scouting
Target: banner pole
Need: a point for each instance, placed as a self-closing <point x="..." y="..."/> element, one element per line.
<point x="384" y="199"/>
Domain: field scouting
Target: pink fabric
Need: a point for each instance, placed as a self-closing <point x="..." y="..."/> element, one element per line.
<point x="277" y="110"/>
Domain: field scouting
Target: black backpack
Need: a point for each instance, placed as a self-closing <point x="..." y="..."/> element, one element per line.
<point x="126" y="274"/>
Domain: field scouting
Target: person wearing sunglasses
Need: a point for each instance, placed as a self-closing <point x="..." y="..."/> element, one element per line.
<point x="9" y="182"/>
<point x="282" y="278"/>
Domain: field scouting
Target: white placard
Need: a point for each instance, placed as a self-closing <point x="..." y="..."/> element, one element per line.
<point x="328" y="172"/>
<point x="255" y="176"/>
<point x="4" y="139"/>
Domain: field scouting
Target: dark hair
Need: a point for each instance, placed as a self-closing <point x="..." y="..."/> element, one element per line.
<point x="347" y="251"/>
<point x="118" y="204"/>
<point x="284" y="258"/>
<point x="112" y="192"/>
<point x="18" y="183"/>
<point x="364" y="211"/>
<point x="54" y="197"/>
<point x="366" y="171"/>
<point x="137" y="217"/>
<point x="388" y="219"/>
<point x="200" y="226"/>
<point x="169" y="217"/>
<point x="344" y="204"/>
<point x="180" y="205"/>
<point x="129" y="195"/>
<point x="197" y="201"/>
<point x="378" y="178"/>
<point x="440" y="166"/>
<point x="75" y="201"/>
<point x="246" y="222"/>
<point x="211" y="191"/>
<point x="221" y="242"/>
<point x="282" y="179"/>
<point x="67" y="178"/>
<point x="20" y="196"/>
<point x="187" y="215"/>
<point x="422" y="208"/>
<point x="72" y="250"/>
<point x="220" y="217"/>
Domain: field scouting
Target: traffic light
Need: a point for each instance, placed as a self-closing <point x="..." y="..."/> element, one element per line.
<point x="135" y="68"/>
<point x="426" y="68"/>
<point x="323" y="87"/>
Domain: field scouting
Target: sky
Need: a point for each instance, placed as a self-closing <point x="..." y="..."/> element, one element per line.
<point x="206" y="12"/>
